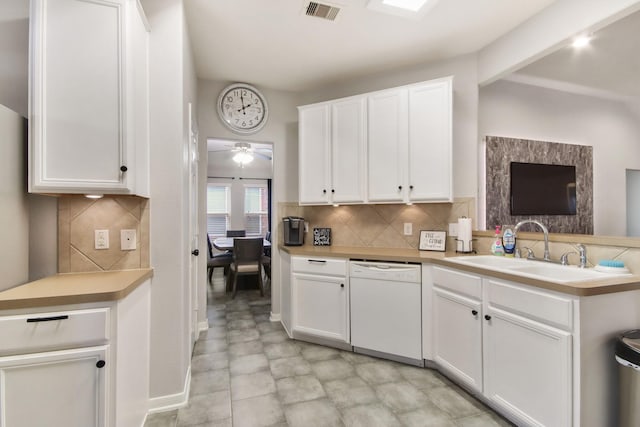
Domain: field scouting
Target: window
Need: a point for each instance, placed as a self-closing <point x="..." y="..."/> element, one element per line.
<point x="218" y="209"/>
<point x="256" y="204"/>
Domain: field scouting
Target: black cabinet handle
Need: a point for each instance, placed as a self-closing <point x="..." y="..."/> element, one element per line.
<point x="319" y="261"/>
<point x="399" y="187"/>
<point x="46" y="319"/>
<point x="474" y="312"/>
<point x="195" y="252"/>
<point x="333" y="191"/>
<point x="342" y="285"/>
<point x="123" y="168"/>
<point x="487" y="317"/>
<point x="324" y="191"/>
<point x="100" y="364"/>
<point x="411" y="187"/>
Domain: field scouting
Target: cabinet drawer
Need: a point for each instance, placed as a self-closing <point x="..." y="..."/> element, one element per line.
<point x="324" y="266"/>
<point x="462" y="283"/>
<point x="54" y="330"/>
<point x="538" y="305"/>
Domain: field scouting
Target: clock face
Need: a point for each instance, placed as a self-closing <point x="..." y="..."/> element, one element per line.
<point x="242" y="108"/>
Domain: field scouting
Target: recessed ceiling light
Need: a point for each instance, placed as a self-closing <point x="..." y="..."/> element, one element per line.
<point x="412" y="5"/>
<point x="581" y="41"/>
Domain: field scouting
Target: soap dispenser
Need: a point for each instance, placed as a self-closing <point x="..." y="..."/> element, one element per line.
<point x="496" y="246"/>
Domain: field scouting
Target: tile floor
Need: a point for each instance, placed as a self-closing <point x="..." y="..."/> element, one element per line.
<point x="247" y="372"/>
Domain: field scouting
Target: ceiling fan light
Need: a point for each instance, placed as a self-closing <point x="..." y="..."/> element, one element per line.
<point x="243" y="158"/>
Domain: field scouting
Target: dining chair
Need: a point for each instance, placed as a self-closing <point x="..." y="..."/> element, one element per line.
<point x="247" y="260"/>
<point x="236" y="233"/>
<point x="218" y="260"/>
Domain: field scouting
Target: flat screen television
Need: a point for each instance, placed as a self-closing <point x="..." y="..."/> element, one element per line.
<point x="541" y="189"/>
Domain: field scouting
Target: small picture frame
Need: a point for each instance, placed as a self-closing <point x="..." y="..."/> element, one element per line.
<point x="321" y="237"/>
<point x="431" y="240"/>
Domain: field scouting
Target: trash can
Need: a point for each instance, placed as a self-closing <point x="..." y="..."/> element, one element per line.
<point x="628" y="358"/>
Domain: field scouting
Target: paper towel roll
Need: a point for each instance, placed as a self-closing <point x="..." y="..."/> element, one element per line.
<point x="464" y="235"/>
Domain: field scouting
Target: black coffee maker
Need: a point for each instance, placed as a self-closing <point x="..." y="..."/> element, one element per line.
<point x="293" y="230"/>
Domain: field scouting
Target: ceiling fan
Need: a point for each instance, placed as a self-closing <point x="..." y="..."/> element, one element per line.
<point x="245" y="152"/>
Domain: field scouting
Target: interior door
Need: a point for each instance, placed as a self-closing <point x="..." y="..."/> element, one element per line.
<point x="193" y="223"/>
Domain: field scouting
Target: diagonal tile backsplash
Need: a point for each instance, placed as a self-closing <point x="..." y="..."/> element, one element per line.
<point x="78" y="217"/>
<point x="380" y="225"/>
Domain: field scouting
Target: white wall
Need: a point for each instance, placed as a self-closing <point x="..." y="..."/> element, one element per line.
<point x="170" y="338"/>
<point x="522" y="111"/>
<point x="465" y="108"/>
<point x="14" y="209"/>
<point x="14" y="51"/>
<point x="281" y="130"/>
<point x="43" y="236"/>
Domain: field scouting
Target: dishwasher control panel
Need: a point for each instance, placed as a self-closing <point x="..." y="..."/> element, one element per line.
<point x="386" y="271"/>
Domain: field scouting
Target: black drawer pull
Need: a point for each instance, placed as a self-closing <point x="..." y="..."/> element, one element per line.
<point x="474" y="312"/>
<point x="487" y="317"/>
<point x="319" y="261"/>
<point x="46" y="319"/>
<point x="100" y="364"/>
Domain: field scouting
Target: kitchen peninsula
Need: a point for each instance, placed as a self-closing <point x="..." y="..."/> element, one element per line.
<point x="502" y="336"/>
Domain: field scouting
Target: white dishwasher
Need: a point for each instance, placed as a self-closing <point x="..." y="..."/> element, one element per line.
<point x="386" y="315"/>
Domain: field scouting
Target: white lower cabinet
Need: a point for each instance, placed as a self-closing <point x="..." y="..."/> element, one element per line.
<point x="320" y="298"/>
<point x="510" y="342"/>
<point x="84" y="365"/>
<point x="59" y="388"/>
<point x="528" y="369"/>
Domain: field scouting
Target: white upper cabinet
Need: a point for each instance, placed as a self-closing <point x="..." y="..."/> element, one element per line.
<point x="390" y="146"/>
<point x="332" y="152"/>
<point x="410" y="143"/>
<point x="387" y="123"/>
<point x="315" y="132"/>
<point x="88" y="106"/>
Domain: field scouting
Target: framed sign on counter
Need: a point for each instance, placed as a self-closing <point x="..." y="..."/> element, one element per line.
<point x="432" y="240"/>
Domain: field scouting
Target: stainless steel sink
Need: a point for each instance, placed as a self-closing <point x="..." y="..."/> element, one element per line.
<point x="534" y="269"/>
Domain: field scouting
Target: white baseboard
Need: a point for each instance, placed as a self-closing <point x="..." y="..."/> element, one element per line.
<point x="203" y="326"/>
<point x="171" y="401"/>
<point x="275" y="317"/>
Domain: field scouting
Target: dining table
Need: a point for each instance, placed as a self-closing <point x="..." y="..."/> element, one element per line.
<point x="226" y="243"/>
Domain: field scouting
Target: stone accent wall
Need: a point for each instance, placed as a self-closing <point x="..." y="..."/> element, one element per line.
<point x="500" y="152"/>
<point x="78" y="217"/>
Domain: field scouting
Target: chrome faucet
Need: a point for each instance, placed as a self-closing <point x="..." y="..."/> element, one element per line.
<point x="545" y="231"/>
<point x="582" y="251"/>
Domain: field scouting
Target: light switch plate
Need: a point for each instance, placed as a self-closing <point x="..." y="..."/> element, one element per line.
<point x="128" y="240"/>
<point x="453" y="229"/>
<point x="101" y="239"/>
<point x="408" y="229"/>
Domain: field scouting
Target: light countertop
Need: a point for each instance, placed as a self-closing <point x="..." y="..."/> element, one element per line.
<point x="74" y="288"/>
<point x="582" y="288"/>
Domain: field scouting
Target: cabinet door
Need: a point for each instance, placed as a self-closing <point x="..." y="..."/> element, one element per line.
<point x="320" y="306"/>
<point x="348" y="150"/>
<point x="285" y="290"/>
<point x="457" y="336"/>
<point x="313" y="165"/>
<point x="387" y="149"/>
<point x="430" y="142"/>
<point x="77" y="108"/>
<point x="527" y="369"/>
<point x="61" y="388"/>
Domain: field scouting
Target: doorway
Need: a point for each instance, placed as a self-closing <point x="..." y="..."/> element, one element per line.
<point x="239" y="190"/>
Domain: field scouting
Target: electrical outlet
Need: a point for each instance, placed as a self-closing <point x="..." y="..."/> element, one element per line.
<point x="101" y="239"/>
<point x="408" y="229"/>
<point x="453" y="229"/>
<point x="128" y="240"/>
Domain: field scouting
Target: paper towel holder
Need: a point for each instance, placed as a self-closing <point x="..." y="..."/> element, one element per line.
<point x="472" y="251"/>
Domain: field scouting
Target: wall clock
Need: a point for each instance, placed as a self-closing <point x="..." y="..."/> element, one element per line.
<point x="242" y="108"/>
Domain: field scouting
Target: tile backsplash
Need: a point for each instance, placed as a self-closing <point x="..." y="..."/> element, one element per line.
<point x="380" y="225"/>
<point x="78" y="217"/>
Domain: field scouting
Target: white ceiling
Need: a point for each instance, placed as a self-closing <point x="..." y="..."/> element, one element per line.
<point x="273" y="44"/>
<point x="609" y="66"/>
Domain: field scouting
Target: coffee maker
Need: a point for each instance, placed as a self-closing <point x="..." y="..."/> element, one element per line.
<point x="293" y="230"/>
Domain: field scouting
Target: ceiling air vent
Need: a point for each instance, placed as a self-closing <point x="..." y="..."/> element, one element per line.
<point x="323" y="11"/>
